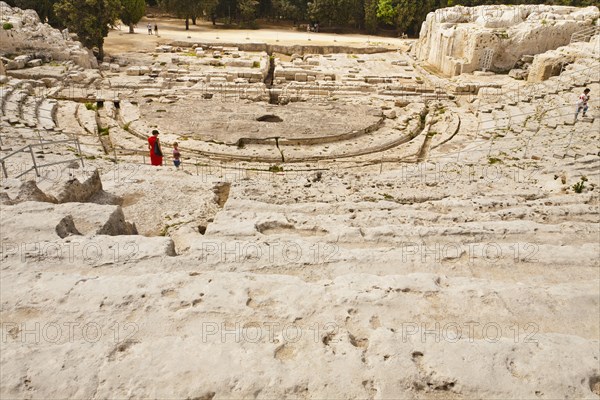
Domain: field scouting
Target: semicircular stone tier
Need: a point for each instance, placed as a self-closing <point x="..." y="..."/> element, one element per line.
<point x="301" y="123"/>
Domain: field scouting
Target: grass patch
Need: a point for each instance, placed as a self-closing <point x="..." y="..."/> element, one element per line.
<point x="275" y="168"/>
<point x="493" y="160"/>
<point x="7" y="26"/>
<point x="388" y="197"/>
<point x="103" y="131"/>
<point x="256" y="64"/>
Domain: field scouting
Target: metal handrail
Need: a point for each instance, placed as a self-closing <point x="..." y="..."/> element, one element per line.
<point x="585" y="35"/>
<point x="35" y="166"/>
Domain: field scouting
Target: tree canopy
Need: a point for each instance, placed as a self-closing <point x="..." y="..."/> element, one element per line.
<point x="90" y="19"/>
<point x="132" y="12"/>
<point x="405" y="16"/>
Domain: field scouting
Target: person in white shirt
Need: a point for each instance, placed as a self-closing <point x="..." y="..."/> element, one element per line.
<point x="582" y="103"/>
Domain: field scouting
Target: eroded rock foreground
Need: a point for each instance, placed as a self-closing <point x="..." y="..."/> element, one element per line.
<point x="344" y="225"/>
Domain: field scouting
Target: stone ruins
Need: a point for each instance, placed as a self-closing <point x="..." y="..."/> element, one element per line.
<point x="380" y="219"/>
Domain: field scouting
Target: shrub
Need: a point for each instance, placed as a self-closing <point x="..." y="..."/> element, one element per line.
<point x="91" y="106"/>
<point x="275" y="168"/>
<point x="579" y="186"/>
<point x="7" y="26"/>
<point x="256" y="64"/>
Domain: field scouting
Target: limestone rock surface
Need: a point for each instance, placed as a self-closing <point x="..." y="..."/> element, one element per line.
<point x="454" y="40"/>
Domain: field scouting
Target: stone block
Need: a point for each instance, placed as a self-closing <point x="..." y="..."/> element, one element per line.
<point x="390" y="114"/>
<point x="164" y="49"/>
<point x="133" y="71"/>
<point x="15" y="64"/>
<point x="34" y="63"/>
<point x="528" y="59"/>
<point x="300" y="77"/>
<point x="77" y="76"/>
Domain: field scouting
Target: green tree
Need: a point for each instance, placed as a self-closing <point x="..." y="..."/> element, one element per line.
<point x="210" y="9"/>
<point x="187" y="9"/>
<point x="248" y="9"/>
<point x="293" y="10"/>
<point x="132" y="12"/>
<point x="90" y="19"/>
<point x="332" y="12"/>
<point x="371" y="15"/>
<point x="387" y="12"/>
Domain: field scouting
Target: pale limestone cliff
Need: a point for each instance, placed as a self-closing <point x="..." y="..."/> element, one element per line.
<point x="454" y="40"/>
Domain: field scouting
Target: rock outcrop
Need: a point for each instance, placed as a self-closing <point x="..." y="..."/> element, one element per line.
<point x="457" y="40"/>
<point x="30" y="36"/>
<point x="552" y="62"/>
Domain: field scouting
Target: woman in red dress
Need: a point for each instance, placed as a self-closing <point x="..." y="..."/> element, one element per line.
<point x="156" y="154"/>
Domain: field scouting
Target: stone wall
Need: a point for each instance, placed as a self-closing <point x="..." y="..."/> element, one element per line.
<point x="28" y="36"/>
<point x="454" y="40"/>
<point x="289" y="49"/>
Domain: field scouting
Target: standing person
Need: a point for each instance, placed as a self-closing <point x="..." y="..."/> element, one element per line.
<point x="149" y="28"/>
<point x="582" y="103"/>
<point x="155" y="29"/>
<point x="156" y="154"/>
<point x="176" y="155"/>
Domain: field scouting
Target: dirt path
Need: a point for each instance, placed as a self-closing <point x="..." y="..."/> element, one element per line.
<point x="171" y="29"/>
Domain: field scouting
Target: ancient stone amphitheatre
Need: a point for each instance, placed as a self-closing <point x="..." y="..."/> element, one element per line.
<point x="355" y="217"/>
